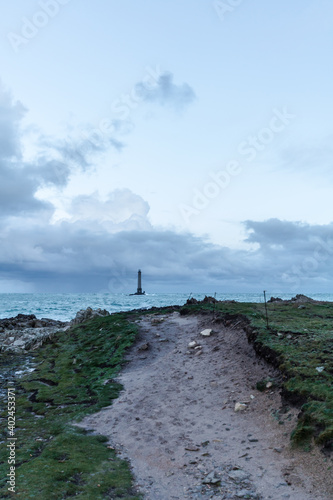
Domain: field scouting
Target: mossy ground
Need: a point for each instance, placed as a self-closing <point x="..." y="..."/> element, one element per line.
<point x="73" y="377"/>
<point x="299" y="341"/>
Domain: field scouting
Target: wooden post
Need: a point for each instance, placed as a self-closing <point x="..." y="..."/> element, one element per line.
<point x="266" y="309"/>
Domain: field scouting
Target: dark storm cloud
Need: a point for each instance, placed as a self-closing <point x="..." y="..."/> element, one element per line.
<point x="88" y="255"/>
<point x="167" y="93"/>
<point x="19" y="181"/>
<point x="291" y="236"/>
<point x="17" y="191"/>
<point x="293" y="254"/>
<point x="81" y="253"/>
<point x="53" y="165"/>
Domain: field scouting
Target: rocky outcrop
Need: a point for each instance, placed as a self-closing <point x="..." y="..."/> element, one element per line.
<point x="275" y="299"/>
<point x="301" y="299"/>
<point x="22" y="321"/>
<point x="24" y="332"/>
<point x="89" y="313"/>
<point x="191" y="301"/>
<point x="209" y="300"/>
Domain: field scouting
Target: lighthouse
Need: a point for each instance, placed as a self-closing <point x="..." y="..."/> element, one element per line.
<point x="139" y="289"/>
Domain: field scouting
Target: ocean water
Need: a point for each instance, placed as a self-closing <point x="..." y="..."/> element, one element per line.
<point x="64" y="306"/>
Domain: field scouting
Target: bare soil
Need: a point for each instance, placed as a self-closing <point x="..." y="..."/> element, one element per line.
<point x="176" y="423"/>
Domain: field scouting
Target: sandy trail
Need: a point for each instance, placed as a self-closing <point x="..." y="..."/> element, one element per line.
<point x="175" y="419"/>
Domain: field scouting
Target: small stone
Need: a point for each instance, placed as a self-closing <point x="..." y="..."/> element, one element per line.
<point x="211" y="478"/>
<point x="245" y="494"/>
<point x="191" y="447"/>
<point x="192" y="344"/>
<point x="206" y="333"/>
<point x="240" y="407"/>
<point x="268" y="385"/>
<point x="18" y="343"/>
<point x="238" y="475"/>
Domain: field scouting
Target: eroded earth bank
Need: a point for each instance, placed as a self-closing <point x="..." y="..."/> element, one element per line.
<point x="176" y="422"/>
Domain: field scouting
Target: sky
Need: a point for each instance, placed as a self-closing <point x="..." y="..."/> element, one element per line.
<point x="190" y="139"/>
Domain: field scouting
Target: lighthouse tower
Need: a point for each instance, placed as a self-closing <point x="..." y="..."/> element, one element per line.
<point x="139" y="290"/>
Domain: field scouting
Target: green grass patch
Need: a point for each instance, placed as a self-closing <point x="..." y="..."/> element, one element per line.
<point x="73" y="376"/>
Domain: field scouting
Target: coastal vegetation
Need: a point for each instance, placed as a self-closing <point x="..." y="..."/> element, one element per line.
<point x="74" y="375"/>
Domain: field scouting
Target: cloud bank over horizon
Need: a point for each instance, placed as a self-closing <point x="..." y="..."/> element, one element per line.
<point x="100" y="241"/>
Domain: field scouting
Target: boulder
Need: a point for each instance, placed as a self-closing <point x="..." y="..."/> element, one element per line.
<point x="89" y="313"/>
<point x="300" y="298"/>
<point x="191" y="301"/>
<point x="275" y="299"/>
<point x="209" y="300"/>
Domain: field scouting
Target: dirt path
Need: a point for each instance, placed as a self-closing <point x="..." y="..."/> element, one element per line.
<point x="176" y="421"/>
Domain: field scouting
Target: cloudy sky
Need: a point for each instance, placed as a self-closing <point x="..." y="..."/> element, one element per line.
<point x="190" y="139"/>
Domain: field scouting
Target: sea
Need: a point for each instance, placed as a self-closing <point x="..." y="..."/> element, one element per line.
<point x="64" y="306"/>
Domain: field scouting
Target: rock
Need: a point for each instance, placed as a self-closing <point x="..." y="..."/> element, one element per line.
<point x="18" y="343"/>
<point x="89" y="313"/>
<point x="320" y="369"/>
<point x="24" y="331"/>
<point x="192" y="344"/>
<point x="275" y="299"/>
<point x="246" y="494"/>
<point x="144" y="347"/>
<point x="238" y="475"/>
<point x="191" y="301"/>
<point x="192" y="447"/>
<point x="211" y="478"/>
<point x="301" y="298"/>
<point x="269" y="385"/>
<point x="209" y="300"/>
<point x="240" y="406"/>
<point x="207" y="332"/>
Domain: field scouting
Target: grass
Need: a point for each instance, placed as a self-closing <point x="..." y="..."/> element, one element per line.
<point x="73" y="377"/>
<point x="75" y="373"/>
<point x="299" y="342"/>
